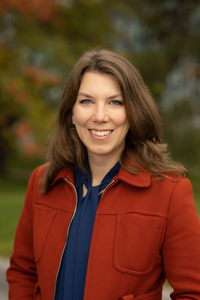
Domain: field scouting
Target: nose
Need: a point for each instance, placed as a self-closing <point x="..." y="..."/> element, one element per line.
<point x="100" y="114"/>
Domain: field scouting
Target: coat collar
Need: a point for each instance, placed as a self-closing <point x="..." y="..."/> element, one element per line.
<point x="142" y="179"/>
<point x="64" y="173"/>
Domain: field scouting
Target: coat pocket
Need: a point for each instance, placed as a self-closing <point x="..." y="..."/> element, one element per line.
<point x="137" y="240"/>
<point x="43" y="220"/>
<point x="155" y="295"/>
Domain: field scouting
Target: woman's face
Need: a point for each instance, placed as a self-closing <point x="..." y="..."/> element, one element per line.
<point x="99" y="115"/>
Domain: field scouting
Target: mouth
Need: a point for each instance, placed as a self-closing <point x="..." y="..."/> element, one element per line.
<point x="100" y="133"/>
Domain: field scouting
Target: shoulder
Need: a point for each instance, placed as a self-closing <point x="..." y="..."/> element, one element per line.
<point x="181" y="189"/>
<point x="179" y="195"/>
<point x="143" y="179"/>
<point x="38" y="175"/>
<point x="36" y="181"/>
<point x="172" y="185"/>
<point x="171" y="180"/>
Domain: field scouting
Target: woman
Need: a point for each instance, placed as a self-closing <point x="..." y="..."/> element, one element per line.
<point x="111" y="216"/>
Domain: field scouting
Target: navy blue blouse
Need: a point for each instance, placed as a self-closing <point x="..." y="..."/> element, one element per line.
<point x="72" y="273"/>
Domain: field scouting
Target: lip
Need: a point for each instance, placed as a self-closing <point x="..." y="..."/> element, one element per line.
<point x="96" y="129"/>
<point x="105" y="137"/>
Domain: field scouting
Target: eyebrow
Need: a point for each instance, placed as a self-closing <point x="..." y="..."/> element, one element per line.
<point x="85" y="95"/>
<point x="89" y="96"/>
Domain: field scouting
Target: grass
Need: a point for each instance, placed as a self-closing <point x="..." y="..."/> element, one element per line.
<point x="12" y="193"/>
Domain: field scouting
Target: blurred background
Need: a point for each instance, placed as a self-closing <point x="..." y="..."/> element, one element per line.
<point x="40" y="40"/>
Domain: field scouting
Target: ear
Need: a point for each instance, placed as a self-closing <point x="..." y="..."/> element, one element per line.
<point x="73" y="120"/>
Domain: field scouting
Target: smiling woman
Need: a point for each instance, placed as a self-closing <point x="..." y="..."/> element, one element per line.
<point x="99" y="116"/>
<point x="110" y="216"/>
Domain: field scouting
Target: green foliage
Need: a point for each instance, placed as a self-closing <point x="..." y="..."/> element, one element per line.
<point x="40" y="42"/>
<point x="167" y="32"/>
<point x="185" y="147"/>
<point x="182" y="136"/>
<point x="38" y="49"/>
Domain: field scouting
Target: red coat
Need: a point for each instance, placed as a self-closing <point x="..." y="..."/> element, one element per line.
<point x="145" y="230"/>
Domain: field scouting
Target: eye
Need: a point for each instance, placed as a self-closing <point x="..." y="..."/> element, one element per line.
<point x="116" y="102"/>
<point x="86" y="101"/>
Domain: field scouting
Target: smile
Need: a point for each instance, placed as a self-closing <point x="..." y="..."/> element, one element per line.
<point x="101" y="133"/>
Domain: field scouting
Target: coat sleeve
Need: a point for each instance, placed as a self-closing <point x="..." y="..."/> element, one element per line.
<point x="181" y="249"/>
<point x="22" y="274"/>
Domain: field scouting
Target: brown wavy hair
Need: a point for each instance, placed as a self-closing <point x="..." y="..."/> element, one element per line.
<point x="143" y="149"/>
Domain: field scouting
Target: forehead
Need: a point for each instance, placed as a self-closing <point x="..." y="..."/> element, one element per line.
<point x="97" y="82"/>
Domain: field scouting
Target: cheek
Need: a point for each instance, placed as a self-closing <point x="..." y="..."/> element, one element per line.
<point x="76" y="116"/>
<point x="125" y="125"/>
<point x="79" y="119"/>
<point x="121" y="119"/>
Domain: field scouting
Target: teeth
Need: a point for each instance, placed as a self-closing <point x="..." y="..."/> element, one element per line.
<point x="101" y="133"/>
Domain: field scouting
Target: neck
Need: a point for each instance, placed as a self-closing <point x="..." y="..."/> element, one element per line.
<point x="100" y="166"/>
